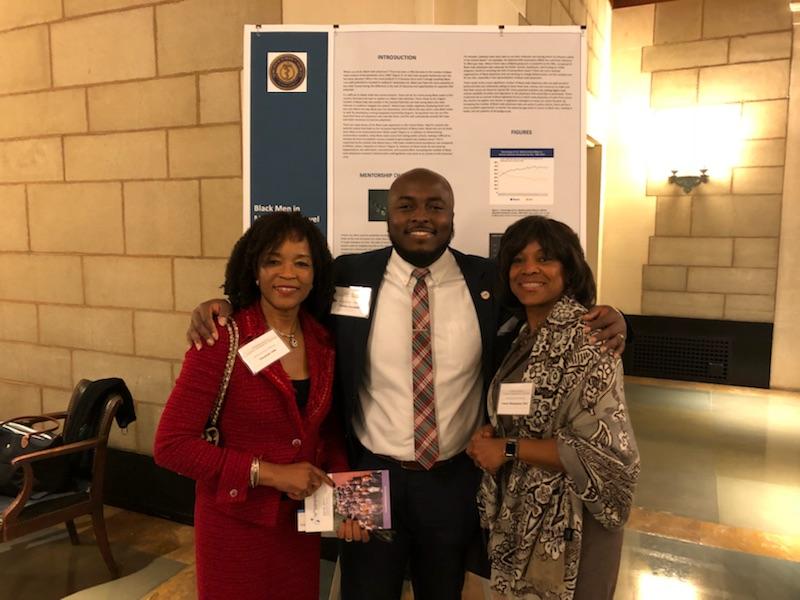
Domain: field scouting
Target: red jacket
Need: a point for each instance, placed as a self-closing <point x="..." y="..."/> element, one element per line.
<point x="259" y="418"/>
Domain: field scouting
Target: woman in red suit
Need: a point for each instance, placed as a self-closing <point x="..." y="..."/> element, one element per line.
<point x="278" y="439"/>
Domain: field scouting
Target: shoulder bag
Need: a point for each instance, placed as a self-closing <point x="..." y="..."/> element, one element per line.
<point x="18" y="438"/>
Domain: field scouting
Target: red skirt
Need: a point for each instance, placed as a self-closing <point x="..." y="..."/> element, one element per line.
<point x="237" y="559"/>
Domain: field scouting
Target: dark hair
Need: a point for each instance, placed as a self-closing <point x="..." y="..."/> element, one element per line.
<point x="266" y="234"/>
<point x="559" y="242"/>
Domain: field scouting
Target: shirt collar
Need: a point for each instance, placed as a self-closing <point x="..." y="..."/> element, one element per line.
<point x="442" y="269"/>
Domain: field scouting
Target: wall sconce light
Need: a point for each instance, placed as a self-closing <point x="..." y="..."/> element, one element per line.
<point x="688" y="182"/>
<point x="692" y="142"/>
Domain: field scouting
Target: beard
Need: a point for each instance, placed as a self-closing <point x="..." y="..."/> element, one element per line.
<point x="421" y="258"/>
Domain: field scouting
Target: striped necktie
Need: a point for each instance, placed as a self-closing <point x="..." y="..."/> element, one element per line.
<point x="426" y="438"/>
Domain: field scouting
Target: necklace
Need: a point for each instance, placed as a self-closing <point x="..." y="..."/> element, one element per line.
<point x="291" y="336"/>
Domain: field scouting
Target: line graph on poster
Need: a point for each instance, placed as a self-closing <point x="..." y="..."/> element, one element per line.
<point x="521" y="176"/>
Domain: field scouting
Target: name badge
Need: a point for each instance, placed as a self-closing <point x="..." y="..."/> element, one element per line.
<point x="515" y="398"/>
<point x="352" y="301"/>
<point x="263" y="351"/>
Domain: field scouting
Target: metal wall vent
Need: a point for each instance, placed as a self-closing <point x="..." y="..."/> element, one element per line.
<point x="691" y="358"/>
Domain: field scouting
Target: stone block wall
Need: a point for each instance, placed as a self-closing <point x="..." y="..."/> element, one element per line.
<point x="714" y="253"/>
<point x="120" y="185"/>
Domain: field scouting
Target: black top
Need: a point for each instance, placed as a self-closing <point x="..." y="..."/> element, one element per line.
<point x="301" y="390"/>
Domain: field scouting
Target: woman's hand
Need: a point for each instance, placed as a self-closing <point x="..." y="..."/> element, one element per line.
<point x="350" y="531"/>
<point x="607" y="326"/>
<point x="487" y="452"/>
<point x="298" y="480"/>
<point x="202" y="327"/>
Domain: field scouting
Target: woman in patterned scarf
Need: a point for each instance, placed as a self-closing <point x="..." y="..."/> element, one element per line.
<point x="559" y="456"/>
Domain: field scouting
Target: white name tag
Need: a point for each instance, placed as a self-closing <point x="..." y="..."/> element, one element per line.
<point x="351" y="301"/>
<point x="515" y="398"/>
<point x="263" y="351"/>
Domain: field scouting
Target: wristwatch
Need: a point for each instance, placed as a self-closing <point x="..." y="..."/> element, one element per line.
<point x="512" y="449"/>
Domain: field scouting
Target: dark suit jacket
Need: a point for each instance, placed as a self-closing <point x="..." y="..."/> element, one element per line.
<point x="352" y="333"/>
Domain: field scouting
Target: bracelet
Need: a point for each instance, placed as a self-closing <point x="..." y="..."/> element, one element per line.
<point x="255" y="465"/>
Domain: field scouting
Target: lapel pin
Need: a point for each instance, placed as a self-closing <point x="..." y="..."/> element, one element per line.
<point x="485" y="294"/>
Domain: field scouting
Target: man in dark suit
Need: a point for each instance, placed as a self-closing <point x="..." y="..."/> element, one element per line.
<point x="380" y="377"/>
<point x="433" y="506"/>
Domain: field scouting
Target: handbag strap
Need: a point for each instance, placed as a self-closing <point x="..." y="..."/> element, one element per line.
<point x="54" y="424"/>
<point x="211" y="432"/>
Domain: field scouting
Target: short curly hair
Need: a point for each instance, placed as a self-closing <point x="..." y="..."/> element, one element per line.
<point x="267" y="234"/>
<point x="558" y="241"/>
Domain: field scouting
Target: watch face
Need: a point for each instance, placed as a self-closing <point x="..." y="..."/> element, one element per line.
<point x="511" y="449"/>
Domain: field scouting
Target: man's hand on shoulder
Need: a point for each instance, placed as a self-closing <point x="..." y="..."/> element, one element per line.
<point x="202" y="326"/>
<point x="607" y="327"/>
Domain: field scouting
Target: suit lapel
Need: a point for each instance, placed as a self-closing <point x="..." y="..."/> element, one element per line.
<point x="320" y="369"/>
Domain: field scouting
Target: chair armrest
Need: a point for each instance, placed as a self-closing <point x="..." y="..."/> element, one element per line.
<point x="54" y="452"/>
<point x="26" y="464"/>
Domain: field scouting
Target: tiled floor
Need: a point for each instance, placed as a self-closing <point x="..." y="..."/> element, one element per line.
<point x="721" y="455"/>
<point x="717" y="513"/>
<point x="660" y="568"/>
<point x="45" y="566"/>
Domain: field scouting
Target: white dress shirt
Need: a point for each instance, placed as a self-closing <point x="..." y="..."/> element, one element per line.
<point x="385" y="423"/>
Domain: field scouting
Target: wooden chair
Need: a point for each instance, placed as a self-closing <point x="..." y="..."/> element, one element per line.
<point x="29" y="512"/>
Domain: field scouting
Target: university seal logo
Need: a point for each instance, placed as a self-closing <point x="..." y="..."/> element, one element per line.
<point x="287" y="72"/>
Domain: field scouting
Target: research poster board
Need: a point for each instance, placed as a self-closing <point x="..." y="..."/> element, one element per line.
<point x="333" y="114"/>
